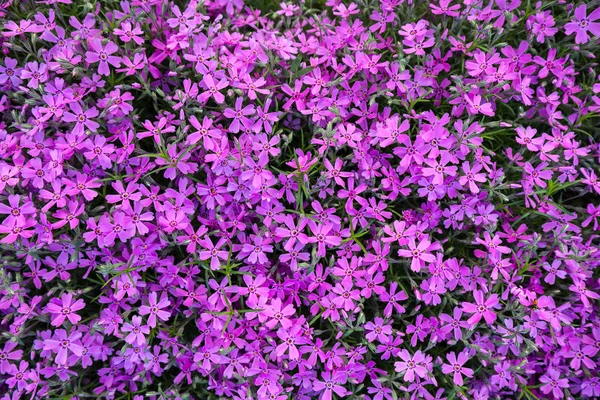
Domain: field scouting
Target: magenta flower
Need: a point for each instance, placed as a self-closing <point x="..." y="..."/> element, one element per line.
<point x="278" y="314"/>
<point x="378" y="330"/>
<point x="323" y="237"/>
<point x="63" y="343"/>
<point x="290" y="339"/>
<point x="82" y="119"/>
<point x="213" y="89"/>
<point x="17" y="229"/>
<point x="127" y="32"/>
<point x="331" y="383"/>
<point x="64" y="308"/>
<point x="212" y="251"/>
<point x="411" y="366"/>
<point x="582" y="24"/>
<point x="16" y="211"/>
<point x="482" y="308"/>
<point x="8" y="354"/>
<point x="456" y="367"/>
<point x="538" y="174"/>
<point x="553" y="383"/>
<point x="472" y="176"/>
<point x="18" y="376"/>
<point x="419" y="253"/>
<point x="10" y="72"/>
<point x="155" y="309"/>
<point x="136" y="331"/>
<point x="102" y="54"/>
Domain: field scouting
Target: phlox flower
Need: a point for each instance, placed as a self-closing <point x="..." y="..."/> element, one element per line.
<point x="482" y="308"/>
<point x="98" y="53"/>
<point x="455" y="366"/>
<point x="411" y="365"/>
<point x="583" y="23"/>
<point x="155" y="309"/>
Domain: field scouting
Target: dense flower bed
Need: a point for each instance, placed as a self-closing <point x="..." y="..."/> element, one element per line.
<point x="370" y="200"/>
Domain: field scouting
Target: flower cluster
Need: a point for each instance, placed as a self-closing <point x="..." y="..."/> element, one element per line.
<point x="319" y="200"/>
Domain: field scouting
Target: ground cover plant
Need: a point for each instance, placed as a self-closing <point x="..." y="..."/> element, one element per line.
<point x="388" y="199"/>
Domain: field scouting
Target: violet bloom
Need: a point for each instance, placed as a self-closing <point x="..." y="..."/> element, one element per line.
<point x="154" y="308"/>
<point x="213" y="252"/>
<point x="82" y="119"/>
<point x="18" y="229"/>
<point x="239" y="115"/>
<point x="257" y="171"/>
<point x="15" y="210"/>
<point x="18" y="376"/>
<point x="411" y="366"/>
<point x="256" y="250"/>
<point x="65" y="308"/>
<point x="582" y="24"/>
<point x="136" y="331"/>
<point x="393" y="298"/>
<point x="537" y="175"/>
<point x="552" y="382"/>
<point x="482" y="308"/>
<point x="10" y="72"/>
<point x="323" y="237"/>
<point x="102" y="54"/>
<point x="7" y="354"/>
<point x="122" y="228"/>
<point x="346" y="294"/>
<point x="378" y="330"/>
<point x="331" y="383"/>
<point x="39" y="173"/>
<point x="290" y="337"/>
<point x="62" y="344"/>
<point x="36" y="73"/>
<point x="213" y="89"/>
<point x="278" y="314"/>
<point x="456" y="366"/>
<point x="419" y="253"/>
<point x="472" y="176"/>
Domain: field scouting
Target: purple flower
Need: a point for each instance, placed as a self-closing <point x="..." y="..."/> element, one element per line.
<point x="482" y="308"/>
<point x="411" y="366"/>
<point x="155" y="309"/>
<point x="456" y="366"/>
<point x="137" y="330"/>
<point x="63" y="343"/>
<point x="102" y="54"/>
<point x="553" y="383"/>
<point x="378" y="330"/>
<point x="64" y="308"/>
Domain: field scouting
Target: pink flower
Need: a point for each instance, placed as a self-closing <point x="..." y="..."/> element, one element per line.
<point x="290" y="339"/>
<point x="538" y="174"/>
<point x="455" y="366"/>
<point x="583" y="24"/>
<point x="411" y="366"/>
<point x="552" y="381"/>
<point x="419" y="253"/>
<point x="278" y="314"/>
<point x="212" y="89"/>
<point x="102" y="54"/>
<point x="136" y="331"/>
<point x="65" y="308"/>
<point x="481" y="308"/>
<point x="331" y="383"/>
<point x="378" y="330"/>
<point x="155" y="309"/>
<point x="62" y="343"/>
<point x="472" y="176"/>
<point x="476" y="105"/>
<point x="82" y="119"/>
